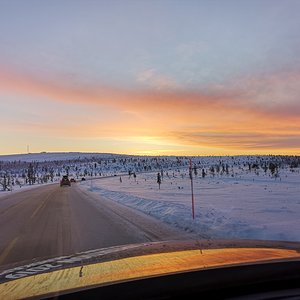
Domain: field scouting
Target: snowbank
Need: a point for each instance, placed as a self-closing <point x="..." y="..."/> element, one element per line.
<point x="246" y="205"/>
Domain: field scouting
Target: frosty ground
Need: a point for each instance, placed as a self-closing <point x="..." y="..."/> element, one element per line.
<point x="255" y="197"/>
<point x="248" y="205"/>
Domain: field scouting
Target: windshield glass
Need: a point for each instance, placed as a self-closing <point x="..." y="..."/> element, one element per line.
<point x="128" y="122"/>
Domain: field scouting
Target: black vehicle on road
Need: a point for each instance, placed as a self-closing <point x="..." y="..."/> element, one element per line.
<point x="65" y="181"/>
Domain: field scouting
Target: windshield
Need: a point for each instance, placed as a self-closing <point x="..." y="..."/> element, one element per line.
<point x="129" y="122"/>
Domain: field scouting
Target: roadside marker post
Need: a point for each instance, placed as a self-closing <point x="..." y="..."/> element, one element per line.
<point x="192" y="188"/>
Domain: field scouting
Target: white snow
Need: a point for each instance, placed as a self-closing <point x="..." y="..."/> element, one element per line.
<point x="239" y="197"/>
<point x="51" y="156"/>
<point x="248" y="205"/>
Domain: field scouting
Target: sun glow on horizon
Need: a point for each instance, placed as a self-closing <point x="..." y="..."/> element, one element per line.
<point x="81" y="83"/>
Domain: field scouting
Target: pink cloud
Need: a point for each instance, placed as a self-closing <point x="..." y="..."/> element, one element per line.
<point x="246" y="114"/>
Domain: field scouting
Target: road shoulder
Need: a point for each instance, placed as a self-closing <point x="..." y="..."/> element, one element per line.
<point x="152" y="228"/>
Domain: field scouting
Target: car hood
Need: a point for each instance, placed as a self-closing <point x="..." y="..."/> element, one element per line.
<point x="131" y="262"/>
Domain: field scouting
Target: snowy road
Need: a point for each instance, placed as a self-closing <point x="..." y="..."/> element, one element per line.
<point x="51" y="221"/>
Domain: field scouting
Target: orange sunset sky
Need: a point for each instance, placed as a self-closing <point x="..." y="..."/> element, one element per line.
<point x="150" y="77"/>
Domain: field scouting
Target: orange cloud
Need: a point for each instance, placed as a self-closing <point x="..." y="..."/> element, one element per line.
<point x="245" y="115"/>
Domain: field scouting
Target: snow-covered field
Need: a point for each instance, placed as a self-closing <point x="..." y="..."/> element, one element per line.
<point x="235" y="197"/>
<point x="51" y="156"/>
<point x="248" y="204"/>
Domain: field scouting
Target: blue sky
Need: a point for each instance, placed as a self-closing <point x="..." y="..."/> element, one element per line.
<point x="232" y="48"/>
<point x="196" y="42"/>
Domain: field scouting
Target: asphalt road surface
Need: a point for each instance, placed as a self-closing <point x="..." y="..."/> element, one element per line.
<point x="51" y="221"/>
